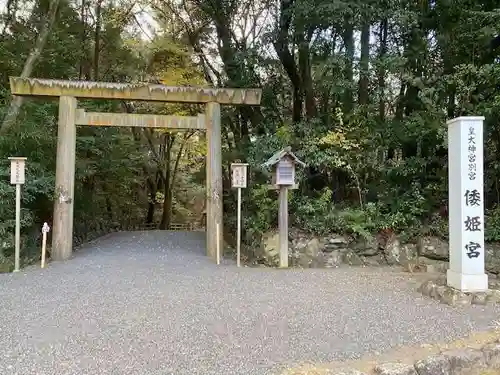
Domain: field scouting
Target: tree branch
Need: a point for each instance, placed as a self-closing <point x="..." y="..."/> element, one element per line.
<point x="16" y="103"/>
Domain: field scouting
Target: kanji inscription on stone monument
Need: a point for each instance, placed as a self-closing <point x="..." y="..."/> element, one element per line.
<point x="466" y="207"/>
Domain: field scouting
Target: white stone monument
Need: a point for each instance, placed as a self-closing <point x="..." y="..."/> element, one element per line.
<point x="466" y="205"/>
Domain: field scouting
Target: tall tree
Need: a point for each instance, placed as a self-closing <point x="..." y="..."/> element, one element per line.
<point x="35" y="53"/>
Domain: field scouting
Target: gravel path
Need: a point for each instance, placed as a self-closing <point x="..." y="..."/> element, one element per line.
<point x="151" y="303"/>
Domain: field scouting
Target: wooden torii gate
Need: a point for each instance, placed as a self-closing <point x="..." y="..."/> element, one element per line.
<point x="70" y="116"/>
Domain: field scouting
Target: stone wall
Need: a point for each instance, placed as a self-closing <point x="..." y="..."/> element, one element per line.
<point x="464" y="361"/>
<point x="307" y="250"/>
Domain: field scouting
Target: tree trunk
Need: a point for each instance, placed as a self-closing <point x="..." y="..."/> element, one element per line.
<point x="349" y="59"/>
<point x="170" y="182"/>
<point x="305" y="73"/>
<point x="16" y="103"/>
<point x="97" y="39"/>
<point x="381" y="69"/>
<point x="363" y="94"/>
<point x="152" y="187"/>
<point x="151" y="210"/>
<point x="83" y="41"/>
<point x="235" y="69"/>
<point x="109" y="208"/>
<point x="281" y="45"/>
<point x="167" y="205"/>
<point x="166" y="219"/>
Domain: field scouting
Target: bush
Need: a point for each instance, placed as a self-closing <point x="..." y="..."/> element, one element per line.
<point x="320" y="215"/>
<point x="492" y="224"/>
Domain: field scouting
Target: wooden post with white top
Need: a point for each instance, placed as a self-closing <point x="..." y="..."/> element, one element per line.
<point x="283" y="226"/>
<point x="466" y="205"/>
<point x="45" y="230"/>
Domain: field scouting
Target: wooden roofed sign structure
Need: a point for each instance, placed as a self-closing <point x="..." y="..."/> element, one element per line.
<point x="70" y="117"/>
<point x="283" y="165"/>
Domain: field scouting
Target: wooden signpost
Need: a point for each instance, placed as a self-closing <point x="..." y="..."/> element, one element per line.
<point x="283" y="178"/>
<point x="239" y="181"/>
<point x="17" y="177"/>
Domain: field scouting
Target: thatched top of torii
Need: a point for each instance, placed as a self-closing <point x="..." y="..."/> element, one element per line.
<point x="132" y="91"/>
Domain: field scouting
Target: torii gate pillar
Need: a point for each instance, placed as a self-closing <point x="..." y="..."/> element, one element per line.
<point x="214" y="179"/>
<point x="62" y="234"/>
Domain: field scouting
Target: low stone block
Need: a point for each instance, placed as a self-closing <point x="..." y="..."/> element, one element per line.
<point x="338" y="240"/>
<point x="313" y="248"/>
<point x="352" y="259"/>
<point x="319" y="261"/>
<point x="438" y="292"/>
<point x="492" y="355"/>
<point x="433" y="247"/>
<point x="395" y="368"/>
<point x="372" y="261"/>
<point x="493" y="296"/>
<point x="334" y="259"/>
<point x="479" y="298"/>
<point x="364" y="246"/>
<point x="430" y="268"/>
<point x="329" y="248"/>
<point x="454" y="297"/>
<point x="427" y="287"/>
<point x="304" y="261"/>
<point x="345" y="372"/>
<point x="493" y="284"/>
<point x="438" y="267"/>
<point x="463" y="361"/>
<point x="433" y="365"/>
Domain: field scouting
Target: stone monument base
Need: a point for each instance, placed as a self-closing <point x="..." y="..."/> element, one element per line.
<point x="437" y="289"/>
<point x="467" y="283"/>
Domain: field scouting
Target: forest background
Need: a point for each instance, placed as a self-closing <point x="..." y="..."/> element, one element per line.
<point x="360" y="89"/>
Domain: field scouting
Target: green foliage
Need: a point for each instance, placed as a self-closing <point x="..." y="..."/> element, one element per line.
<point x="492" y="219"/>
<point x="367" y="117"/>
<point x="264" y="207"/>
<point x="113" y="165"/>
<point x="322" y="216"/>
